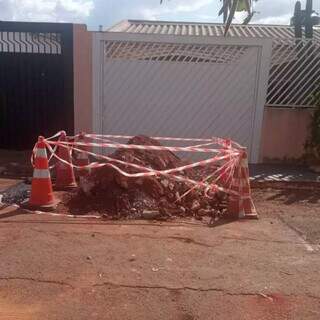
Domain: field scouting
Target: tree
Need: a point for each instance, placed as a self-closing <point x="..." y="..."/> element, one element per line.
<point x="230" y="7"/>
<point x="304" y="18"/>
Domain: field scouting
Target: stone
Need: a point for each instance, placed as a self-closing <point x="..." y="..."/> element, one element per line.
<point x="150" y="214"/>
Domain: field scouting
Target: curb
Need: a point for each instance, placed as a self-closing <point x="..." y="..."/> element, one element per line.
<point x="10" y="211"/>
<point x="293" y="185"/>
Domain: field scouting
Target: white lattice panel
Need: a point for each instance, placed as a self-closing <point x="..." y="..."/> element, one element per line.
<point x="179" y="90"/>
<point x="118" y="50"/>
<point x="295" y="73"/>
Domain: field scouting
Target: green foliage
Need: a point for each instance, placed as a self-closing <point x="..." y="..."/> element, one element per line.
<point x="312" y="145"/>
<point x="244" y="5"/>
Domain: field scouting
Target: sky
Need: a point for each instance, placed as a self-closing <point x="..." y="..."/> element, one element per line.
<point x="108" y="12"/>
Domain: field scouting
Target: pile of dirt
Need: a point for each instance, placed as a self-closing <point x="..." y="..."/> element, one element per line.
<point x="113" y="195"/>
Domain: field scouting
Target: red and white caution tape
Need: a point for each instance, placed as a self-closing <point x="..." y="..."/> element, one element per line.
<point x="229" y="154"/>
<point x="150" y="172"/>
<point x="220" y="141"/>
<point x="143" y="147"/>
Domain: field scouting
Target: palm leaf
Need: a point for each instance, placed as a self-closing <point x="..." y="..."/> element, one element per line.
<point x="231" y="16"/>
<point x="225" y="6"/>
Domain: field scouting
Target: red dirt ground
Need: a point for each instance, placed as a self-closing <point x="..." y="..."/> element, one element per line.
<point x="60" y="268"/>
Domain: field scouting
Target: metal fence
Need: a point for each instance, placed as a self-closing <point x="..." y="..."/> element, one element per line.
<point x="295" y="70"/>
<point x="36" y="81"/>
<point x="30" y="42"/>
<point x="294" y="74"/>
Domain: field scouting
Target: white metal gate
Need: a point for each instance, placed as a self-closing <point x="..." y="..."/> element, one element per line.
<point x="176" y="86"/>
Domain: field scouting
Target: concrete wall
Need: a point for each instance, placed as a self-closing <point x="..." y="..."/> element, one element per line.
<point x="82" y="44"/>
<point x="284" y="133"/>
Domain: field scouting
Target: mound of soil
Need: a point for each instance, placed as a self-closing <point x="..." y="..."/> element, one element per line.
<point x="113" y="195"/>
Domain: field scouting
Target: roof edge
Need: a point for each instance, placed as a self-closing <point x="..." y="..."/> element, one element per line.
<point x="135" y="21"/>
<point x="118" y="27"/>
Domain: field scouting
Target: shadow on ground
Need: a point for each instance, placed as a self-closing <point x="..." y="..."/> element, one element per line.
<point x="279" y="172"/>
<point x="296" y="196"/>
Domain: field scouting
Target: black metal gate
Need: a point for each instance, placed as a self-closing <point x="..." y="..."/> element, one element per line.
<point x="36" y="82"/>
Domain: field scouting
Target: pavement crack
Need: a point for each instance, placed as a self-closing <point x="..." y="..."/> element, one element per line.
<point x="157" y="287"/>
<point x="61" y="283"/>
<point x="111" y="284"/>
<point x="176" y="238"/>
<point x="190" y="240"/>
<point x="262" y="240"/>
<point x="128" y="235"/>
<point x="223" y="291"/>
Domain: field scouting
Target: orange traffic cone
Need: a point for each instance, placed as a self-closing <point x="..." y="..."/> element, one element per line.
<point x="42" y="197"/>
<point x="242" y="206"/>
<point x="82" y="158"/>
<point x="65" y="179"/>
